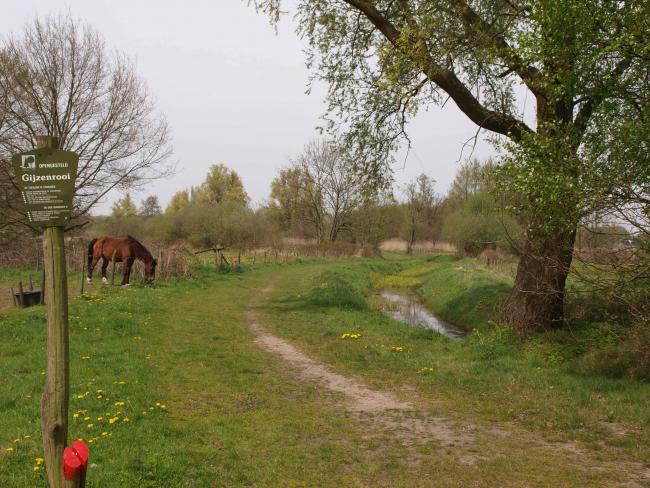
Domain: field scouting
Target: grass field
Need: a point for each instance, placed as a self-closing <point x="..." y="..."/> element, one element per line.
<point x="170" y="389"/>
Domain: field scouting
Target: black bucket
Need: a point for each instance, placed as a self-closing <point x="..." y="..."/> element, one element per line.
<point x="29" y="298"/>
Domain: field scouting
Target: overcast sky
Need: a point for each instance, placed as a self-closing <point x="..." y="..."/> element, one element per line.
<point x="233" y="90"/>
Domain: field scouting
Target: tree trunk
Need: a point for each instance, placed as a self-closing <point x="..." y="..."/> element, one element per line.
<point x="536" y="302"/>
<point x="411" y="242"/>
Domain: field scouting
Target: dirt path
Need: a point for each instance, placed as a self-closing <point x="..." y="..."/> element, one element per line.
<point x="383" y="414"/>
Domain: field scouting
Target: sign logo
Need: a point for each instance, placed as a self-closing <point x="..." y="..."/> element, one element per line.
<point x="28" y="161"/>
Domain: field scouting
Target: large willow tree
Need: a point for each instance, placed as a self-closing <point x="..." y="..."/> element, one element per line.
<point x="385" y="59"/>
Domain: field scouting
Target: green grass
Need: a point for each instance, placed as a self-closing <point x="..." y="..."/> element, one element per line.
<point x="235" y="415"/>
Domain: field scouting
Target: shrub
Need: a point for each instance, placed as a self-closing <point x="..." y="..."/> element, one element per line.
<point x="478" y="225"/>
<point x="338" y="288"/>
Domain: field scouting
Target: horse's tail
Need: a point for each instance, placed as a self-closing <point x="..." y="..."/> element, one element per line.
<point x="91" y="244"/>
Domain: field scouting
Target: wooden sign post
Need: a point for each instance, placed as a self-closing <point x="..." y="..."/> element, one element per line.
<point x="46" y="177"/>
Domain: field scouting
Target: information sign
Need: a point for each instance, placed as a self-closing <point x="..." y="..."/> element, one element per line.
<point x="46" y="180"/>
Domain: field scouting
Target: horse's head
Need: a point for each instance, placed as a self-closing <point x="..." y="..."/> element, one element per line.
<point x="150" y="269"/>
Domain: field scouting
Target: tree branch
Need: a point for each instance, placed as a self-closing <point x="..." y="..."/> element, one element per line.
<point x="444" y="78"/>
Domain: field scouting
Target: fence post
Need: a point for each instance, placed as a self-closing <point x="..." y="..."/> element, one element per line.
<point x="21" y="295"/>
<point x="83" y="271"/>
<point x="113" y="268"/>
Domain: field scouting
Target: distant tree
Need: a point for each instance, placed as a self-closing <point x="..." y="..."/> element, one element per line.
<point x="179" y="201"/>
<point x="471" y="178"/>
<point x="150" y="206"/>
<point x="422" y="206"/>
<point x="222" y="184"/>
<point x="373" y="221"/>
<point x="124" y="207"/>
<point x="58" y="78"/>
<point x="286" y="196"/>
<point x="328" y="190"/>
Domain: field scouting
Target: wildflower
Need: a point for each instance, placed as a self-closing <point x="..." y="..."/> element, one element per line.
<point x="119" y="404"/>
<point x="76" y="415"/>
<point x="104" y="433"/>
<point x="100" y="418"/>
<point x="37" y="468"/>
<point x="27" y="436"/>
<point x="16" y="440"/>
<point x="39" y="461"/>
<point x="86" y="418"/>
<point x="9" y="449"/>
<point x="90" y="426"/>
<point x="126" y="419"/>
<point x="85" y="357"/>
<point x="113" y="420"/>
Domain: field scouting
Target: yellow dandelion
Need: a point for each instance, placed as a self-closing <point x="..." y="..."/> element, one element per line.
<point x="126" y="419"/>
<point x="119" y="404"/>
<point x="9" y="449"/>
<point x="90" y="426"/>
<point x="39" y="461"/>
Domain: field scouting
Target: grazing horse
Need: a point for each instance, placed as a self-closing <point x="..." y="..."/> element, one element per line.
<point x="126" y="250"/>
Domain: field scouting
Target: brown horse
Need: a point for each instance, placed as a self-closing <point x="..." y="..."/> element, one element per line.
<point x="127" y="250"/>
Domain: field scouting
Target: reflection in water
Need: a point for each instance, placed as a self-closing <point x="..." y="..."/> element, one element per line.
<point x="406" y="308"/>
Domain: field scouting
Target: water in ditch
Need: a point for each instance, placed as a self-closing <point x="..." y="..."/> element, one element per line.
<point x="407" y="308"/>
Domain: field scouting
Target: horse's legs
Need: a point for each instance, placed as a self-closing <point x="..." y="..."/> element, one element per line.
<point x="104" y="266"/>
<point x="128" y="263"/>
<point x="90" y="269"/>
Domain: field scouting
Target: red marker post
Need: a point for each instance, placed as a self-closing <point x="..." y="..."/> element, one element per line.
<point x="75" y="465"/>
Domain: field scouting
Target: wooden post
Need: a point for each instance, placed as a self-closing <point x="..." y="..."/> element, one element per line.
<point x="54" y="404"/>
<point x="21" y="295"/>
<point x="83" y="279"/>
<point x="113" y="268"/>
<point x="30" y="285"/>
<point x="43" y="285"/>
<point x="13" y="297"/>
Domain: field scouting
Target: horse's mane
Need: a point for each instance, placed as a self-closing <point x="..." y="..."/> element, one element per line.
<point x="140" y="246"/>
